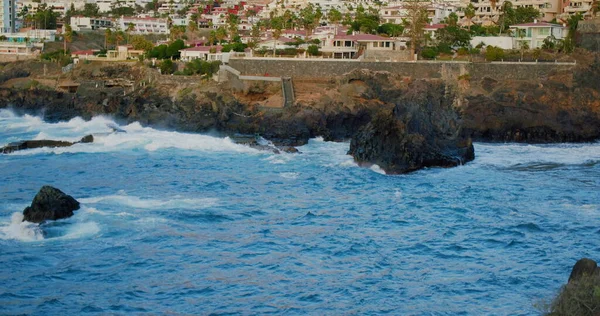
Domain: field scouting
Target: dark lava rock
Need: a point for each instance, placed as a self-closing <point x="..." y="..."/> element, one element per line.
<point x="31" y="144"/>
<point x="423" y="130"/>
<point x="290" y="150"/>
<point x="583" y="267"/>
<point x="50" y="204"/>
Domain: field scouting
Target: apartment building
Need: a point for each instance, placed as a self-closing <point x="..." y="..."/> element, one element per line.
<point x="144" y="25"/>
<point x="8" y="16"/>
<point x="79" y="23"/>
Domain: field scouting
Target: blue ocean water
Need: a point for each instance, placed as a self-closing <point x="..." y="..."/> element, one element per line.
<point x="175" y="223"/>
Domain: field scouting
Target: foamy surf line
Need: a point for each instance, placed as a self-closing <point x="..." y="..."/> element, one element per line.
<point x="522" y="154"/>
<point x="20" y="230"/>
<point x="151" y="204"/>
<point x="134" y="136"/>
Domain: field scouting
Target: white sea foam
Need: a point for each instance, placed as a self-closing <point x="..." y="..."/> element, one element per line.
<point x="279" y="159"/>
<point x="20" y="230"/>
<point x="521" y="154"/>
<point x="290" y="175"/>
<point x="151" y="204"/>
<point x="105" y="140"/>
<point x="80" y="230"/>
<point x="377" y="169"/>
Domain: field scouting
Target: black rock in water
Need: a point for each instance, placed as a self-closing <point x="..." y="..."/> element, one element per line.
<point x="31" y="144"/>
<point x="423" y="130"/>
<point x="50" y="204"/>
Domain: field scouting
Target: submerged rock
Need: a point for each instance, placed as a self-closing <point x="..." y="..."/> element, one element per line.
<point x="31" y="144"/>
<point x="50" y="204"/>
<point x="423" y="130"/>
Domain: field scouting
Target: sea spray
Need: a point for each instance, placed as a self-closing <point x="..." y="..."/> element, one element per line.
<point x="20" y="230"/>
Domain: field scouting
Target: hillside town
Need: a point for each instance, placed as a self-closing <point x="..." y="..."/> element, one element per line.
<point x="341" y="29"/>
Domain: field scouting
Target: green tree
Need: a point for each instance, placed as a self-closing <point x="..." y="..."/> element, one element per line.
<point x="166" y="67"/>
<point x="173" y="49"/>
<point x="277" y="27"/>
<point x="232" y="25"/>
<point x="309" y="18"/>
<point x="254" y="36"/>
<point x="130" y="28"/>
<point x="313" y="50"/>
<point x="45" y="17"/>
<point x="221" y="34"/>
<point x="390" y="29"/>
<point x="415" y="22"/>
<point x="141" y="43"/>
<point x="67" y="37"/>
<point x="572" y="22"/>
<point x="454" y="36"/>
<point x="365" y="21"/>
<point x="90" y="10"/>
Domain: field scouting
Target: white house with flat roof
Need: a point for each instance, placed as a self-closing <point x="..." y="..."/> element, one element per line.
<point x="533" y="34"/>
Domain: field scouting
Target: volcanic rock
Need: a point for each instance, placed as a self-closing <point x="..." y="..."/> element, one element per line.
<point x="423" y="130"/>
<point x="583" y="267"/>
<point x="50" y="204"/>
<point x="30" y="144"/>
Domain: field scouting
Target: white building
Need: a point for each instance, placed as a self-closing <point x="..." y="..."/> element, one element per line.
<point x="79" y="23"/>
<point x="144" y="25"/>
<point x="8" y="16"/>
<point x="534" y="34"/>
<point x="200" y="52"/>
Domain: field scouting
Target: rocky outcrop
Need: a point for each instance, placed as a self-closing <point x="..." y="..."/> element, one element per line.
<point x="31" y="144"/>
<point x="422" y="130"/>
<point x="50" y="204"/>
<point x="584" y="267"/>
<point x="580" y="295"/>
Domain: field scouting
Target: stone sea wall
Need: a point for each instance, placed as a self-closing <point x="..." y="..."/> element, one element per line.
<point x="323" y="68"/>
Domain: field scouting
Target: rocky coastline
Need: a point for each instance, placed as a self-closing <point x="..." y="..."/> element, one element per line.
<point x="562" y="108"/>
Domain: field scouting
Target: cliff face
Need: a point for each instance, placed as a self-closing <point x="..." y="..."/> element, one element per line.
<point x="542" y="111"/>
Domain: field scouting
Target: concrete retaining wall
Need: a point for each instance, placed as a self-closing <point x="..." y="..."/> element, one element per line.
<point x="327" y="68"/>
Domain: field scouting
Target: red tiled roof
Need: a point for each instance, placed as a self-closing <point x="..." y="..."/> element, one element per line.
<point x="434" y="26"/>
<point x="362" y="37"/>
<point x="201" y="48"/>
<point x="538" y="24"/>
<point x="83" y="52"/>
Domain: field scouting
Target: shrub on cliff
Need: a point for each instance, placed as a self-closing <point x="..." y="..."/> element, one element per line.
<point x="201" y="67"/>
<point x="578" y="298"/>
<point x="313" y="50"/>
<point x="166" y="67"/>
<point x="493" y="53"/>
<point x="429" y="52"/>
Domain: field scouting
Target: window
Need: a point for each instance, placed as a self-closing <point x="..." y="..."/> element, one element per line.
<point x="544" y="31"/>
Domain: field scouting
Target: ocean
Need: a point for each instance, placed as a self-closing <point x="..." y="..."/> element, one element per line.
<point x="176" y="223"/>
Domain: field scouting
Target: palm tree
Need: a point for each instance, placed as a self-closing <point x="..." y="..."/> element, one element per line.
<point x="67" y="37"/>
<point x="334" y="17"/>
<point x="221" y="34"/>
<point x="470" y="14"/>
<point x="107" y="37"/>
<point x="524" y="47"/>
<point x="118" y="37"/>
<point x="130" y="28"/>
